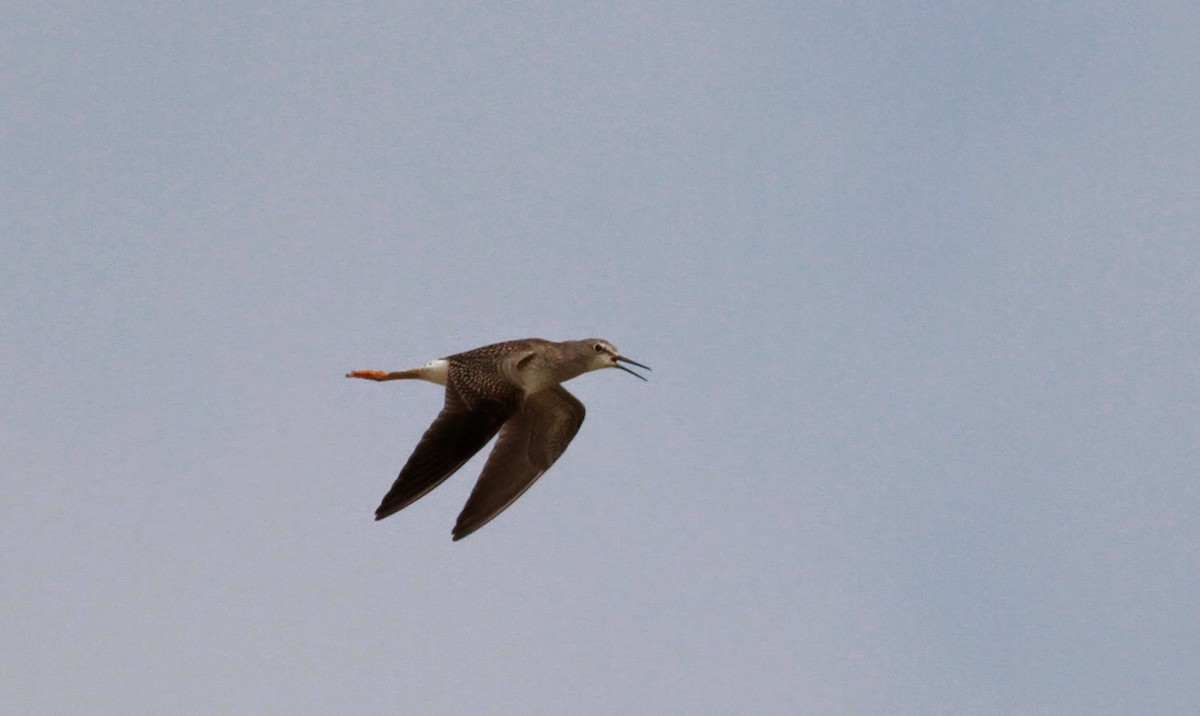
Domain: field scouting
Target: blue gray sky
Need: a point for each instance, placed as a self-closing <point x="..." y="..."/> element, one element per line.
<point x="918" y="283"/>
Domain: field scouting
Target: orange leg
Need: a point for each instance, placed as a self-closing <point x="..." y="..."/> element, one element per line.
<point x="368" y="374"/>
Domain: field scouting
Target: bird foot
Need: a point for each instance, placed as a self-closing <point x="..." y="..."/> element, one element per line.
<point x="368" y="374"/>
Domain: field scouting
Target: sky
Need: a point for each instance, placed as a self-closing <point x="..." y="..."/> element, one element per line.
<point x="919" y="284"/>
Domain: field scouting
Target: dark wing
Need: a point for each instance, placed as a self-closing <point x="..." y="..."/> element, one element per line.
<point x="532" y="439"/>
<point x="454" y="437"/>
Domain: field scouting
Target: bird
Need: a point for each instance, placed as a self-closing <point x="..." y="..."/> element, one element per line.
<point x="513" y="388"/>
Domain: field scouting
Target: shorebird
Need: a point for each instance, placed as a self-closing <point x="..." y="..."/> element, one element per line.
<point x="512" y="388"/>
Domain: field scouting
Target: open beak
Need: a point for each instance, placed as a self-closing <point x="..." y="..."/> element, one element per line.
<point x="617" y="360"/>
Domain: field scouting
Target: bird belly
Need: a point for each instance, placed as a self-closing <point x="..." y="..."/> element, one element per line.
<point x="535" y="380"/>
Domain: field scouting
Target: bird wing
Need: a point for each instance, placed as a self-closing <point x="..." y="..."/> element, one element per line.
<point x="532" y="439"/>
<point x="458" y="432"/>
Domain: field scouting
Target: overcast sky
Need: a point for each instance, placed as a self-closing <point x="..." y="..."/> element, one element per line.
<point x="918" y="283"/>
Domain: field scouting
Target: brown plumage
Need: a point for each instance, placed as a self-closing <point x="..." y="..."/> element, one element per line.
<point x="511" y="388"/>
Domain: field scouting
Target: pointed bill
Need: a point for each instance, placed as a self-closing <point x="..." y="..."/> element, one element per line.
<point x="617" y="360"/>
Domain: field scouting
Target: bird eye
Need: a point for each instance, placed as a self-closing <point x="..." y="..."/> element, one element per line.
<point x="599" y="347"/>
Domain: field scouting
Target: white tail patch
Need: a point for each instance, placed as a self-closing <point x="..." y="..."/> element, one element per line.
<point x="435" y="371"/>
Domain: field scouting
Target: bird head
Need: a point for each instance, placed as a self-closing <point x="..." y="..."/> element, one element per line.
<point x="603" y="354"/>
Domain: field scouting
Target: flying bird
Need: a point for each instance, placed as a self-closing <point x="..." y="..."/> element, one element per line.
<point x="512" y="388"/>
